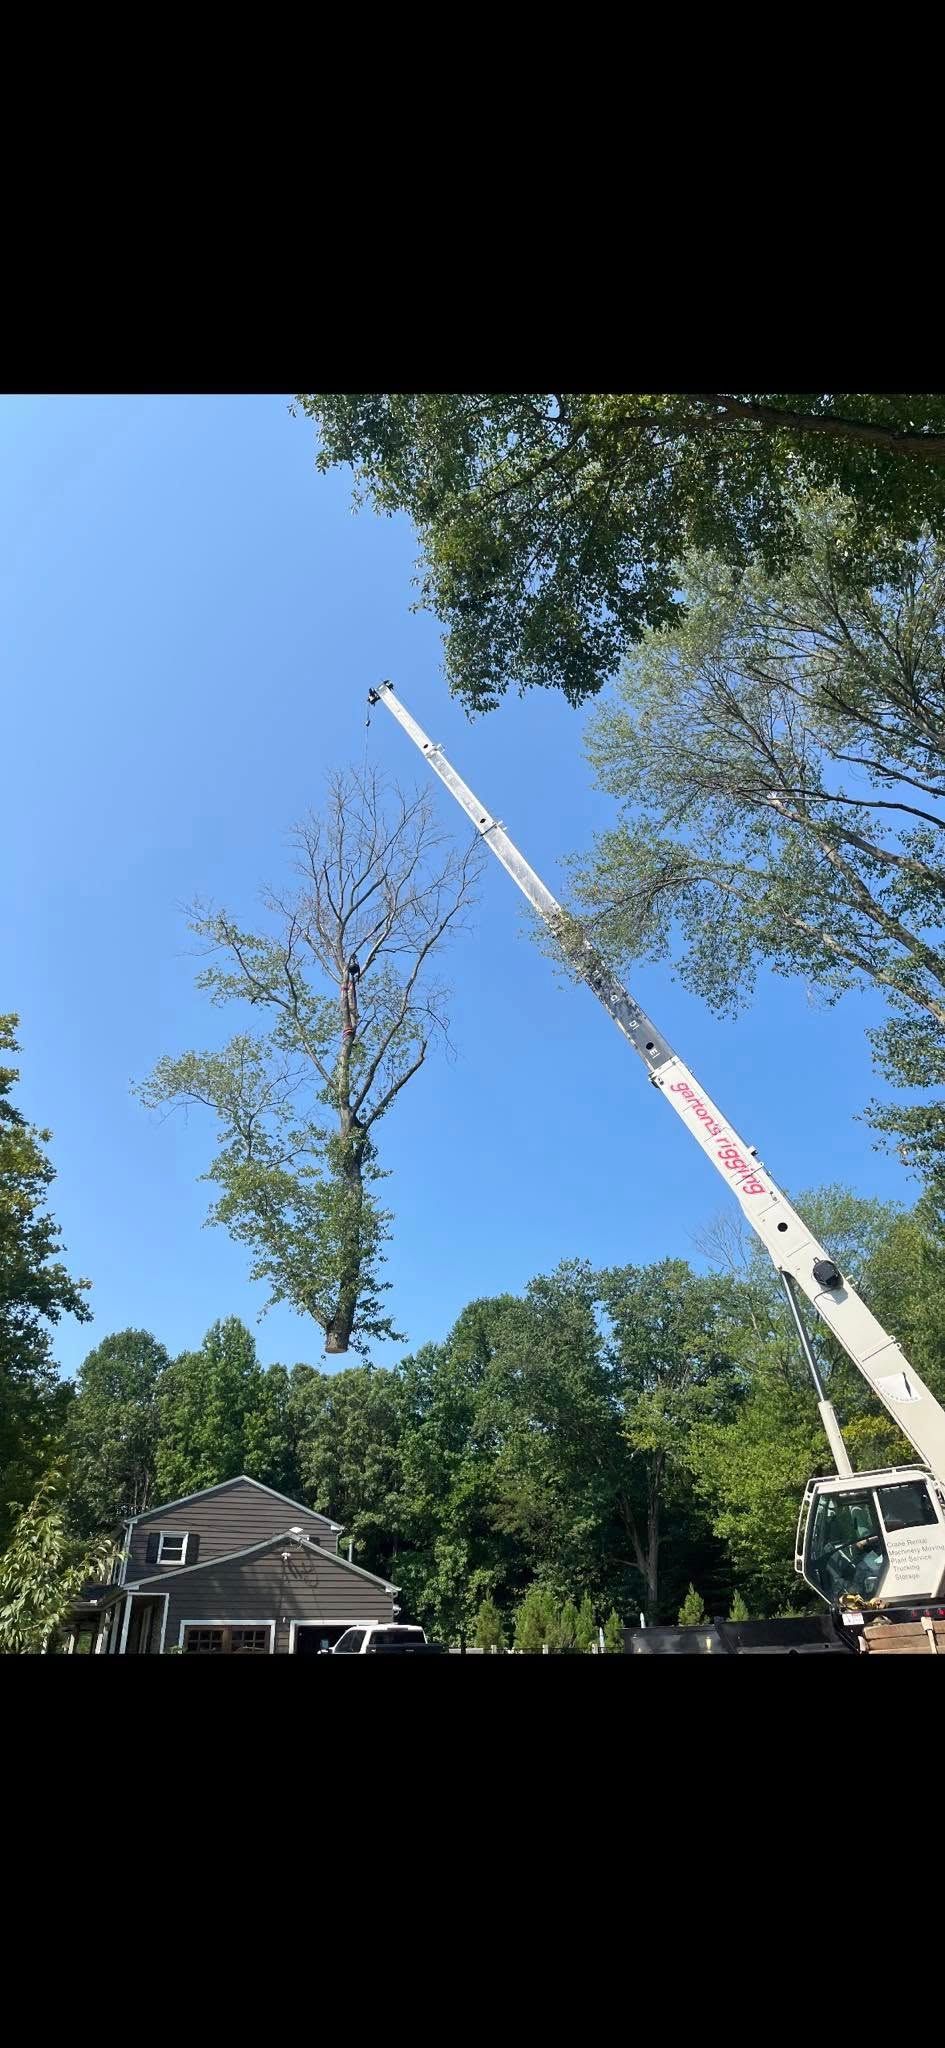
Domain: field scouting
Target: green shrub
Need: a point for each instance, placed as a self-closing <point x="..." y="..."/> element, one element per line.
<point x="489" y="1632"/>
<point x="692" y="1611"/>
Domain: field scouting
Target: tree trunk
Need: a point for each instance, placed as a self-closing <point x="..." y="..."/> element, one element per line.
<point x="338" y="1330"/>
<point x="653" y="1559"/>
<point x="642" y="1562"/>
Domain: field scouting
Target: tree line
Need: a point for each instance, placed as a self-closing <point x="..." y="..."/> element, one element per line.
<point x="608" y="1442"/>
<point x="635" y="1439"/>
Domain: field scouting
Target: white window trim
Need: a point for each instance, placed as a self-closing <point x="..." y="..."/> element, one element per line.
<point x="230" y="1621"/>
<point x="172" y="1536"/>
<point x="335" y="1622"/>
<point x="119" y="1642"/>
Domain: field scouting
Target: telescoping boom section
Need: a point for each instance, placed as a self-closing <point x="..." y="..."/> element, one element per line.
<point x="800" y="1260"/>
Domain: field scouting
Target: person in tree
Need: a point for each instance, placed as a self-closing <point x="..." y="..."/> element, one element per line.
<point x="349" y="996"/>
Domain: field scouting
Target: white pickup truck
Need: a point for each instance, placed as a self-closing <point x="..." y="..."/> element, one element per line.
<point x="385" y="1639"/>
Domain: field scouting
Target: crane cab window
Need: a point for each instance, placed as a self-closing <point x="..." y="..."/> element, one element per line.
<point x="906" y="1506"/>
<point x="847" y="1553"/>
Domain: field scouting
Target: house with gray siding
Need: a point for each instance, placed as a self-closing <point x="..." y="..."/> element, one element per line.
<point x="237" y="1569"/>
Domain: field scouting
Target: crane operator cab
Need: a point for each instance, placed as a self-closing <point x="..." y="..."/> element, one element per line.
<point x="876" y="1538"/>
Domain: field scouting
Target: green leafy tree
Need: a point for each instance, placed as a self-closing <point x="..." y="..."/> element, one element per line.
<point x="44" y="1568"/>
<point x="536" y="1620"/>
<point x="673" y="1365"/>
<point x="455" y="1552"/>
<point x="613" y="1635"/>
<point x="347" y="1429"/>
<point x="209" y="1401"/>
<point x="35" y="1292"/>
<point x="568" y="1626"/>
<point x="692" y="1611"/>
<point x="586" y="1631"/>
<point x="779" y="760"/>
<point x="440" y="1584"/>
<point x="551" y="523"/>
<point x="738" y="1610"/>
<point x="902" y="1271"/>
<point x="538" y="1448"/>
<point x="514" y="1448"/>
<point x="548" y="1414"/>
<point x="752" y="1472"/>
<point x="112" y="1430"/>
<point x="271" y="1451"/>
<point x="490" y="1633"/>
<point x="344" y="974"/>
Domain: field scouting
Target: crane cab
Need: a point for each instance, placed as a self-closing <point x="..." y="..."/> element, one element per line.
<point x="875" y="1537"/>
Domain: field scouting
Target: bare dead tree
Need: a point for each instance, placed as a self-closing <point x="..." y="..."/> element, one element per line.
<point x="346" y="975"/>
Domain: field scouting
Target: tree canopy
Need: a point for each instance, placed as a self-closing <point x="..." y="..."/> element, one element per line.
<point x="779" y="761"/>
<point x="551" y="524"/>
<point x="348" y="1429"/>
<point x="213" y="1415"/>
<point x="113" y="1428"/>
<point x="35" y="1292"/>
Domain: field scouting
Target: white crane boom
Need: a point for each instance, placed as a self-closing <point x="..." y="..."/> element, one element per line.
<point x="798" y="1258"/>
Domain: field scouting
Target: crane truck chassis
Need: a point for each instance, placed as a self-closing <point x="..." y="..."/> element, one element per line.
<point x="870" y="1544"/>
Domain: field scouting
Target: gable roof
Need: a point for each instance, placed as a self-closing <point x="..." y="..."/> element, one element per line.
<point x="238" y="1479"/>
<point x="169" y="1578"/>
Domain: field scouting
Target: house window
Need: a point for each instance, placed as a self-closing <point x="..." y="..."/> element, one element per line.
<point x="203" y="1642"/>
<point x="226" y="1641"/>
<point x="172" y="1547"/>
<point x="249" y="1642"/>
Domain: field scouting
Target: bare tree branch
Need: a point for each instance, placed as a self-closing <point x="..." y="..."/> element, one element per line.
<point x="343" y="971"/>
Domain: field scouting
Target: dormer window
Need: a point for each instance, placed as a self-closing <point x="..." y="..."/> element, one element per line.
<point x="171" y="1546"/>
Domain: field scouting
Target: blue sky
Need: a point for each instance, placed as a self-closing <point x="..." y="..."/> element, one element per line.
<point x="190" y="620"/>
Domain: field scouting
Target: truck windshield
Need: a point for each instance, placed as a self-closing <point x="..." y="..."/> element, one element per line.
<point x="846" y="1552"/>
